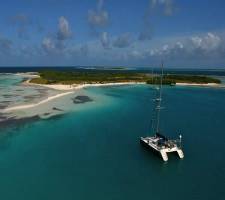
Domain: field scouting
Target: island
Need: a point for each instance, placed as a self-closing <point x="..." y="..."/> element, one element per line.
<point x="114" y="76"/>
<point x="65" y="82"/>
<point x="89" y="77"/>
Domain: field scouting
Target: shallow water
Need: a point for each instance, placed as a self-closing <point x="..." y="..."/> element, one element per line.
<point x="93" y="151"/>
<point x="14" y="93"/>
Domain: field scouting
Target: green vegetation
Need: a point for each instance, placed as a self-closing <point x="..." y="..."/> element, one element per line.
<point x="118" y="68"/>
<point x="173" y="79"/>
<point x="92" y="76"/>
<point x="191" y="79"/>
<point x="157" y="79"/>
<point x="39" y="81"/>
<point x="109" y="76"/>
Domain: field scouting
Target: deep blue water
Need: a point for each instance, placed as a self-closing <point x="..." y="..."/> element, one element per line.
<point x="95" y="153"/>
<point x="215" y="72"/>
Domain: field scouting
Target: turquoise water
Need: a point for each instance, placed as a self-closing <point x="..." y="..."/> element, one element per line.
<point x="94" y="152"/>
<point x="14" y="93"/>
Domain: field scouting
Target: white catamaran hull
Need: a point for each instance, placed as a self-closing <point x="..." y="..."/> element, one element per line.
<point x="151" y="142"/>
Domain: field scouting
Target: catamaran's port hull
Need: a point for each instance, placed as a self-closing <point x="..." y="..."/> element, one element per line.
<point x="149" y="148"/>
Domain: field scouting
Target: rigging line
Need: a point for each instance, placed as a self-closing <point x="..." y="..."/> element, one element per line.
<point x="158" y="107"/>
<point x="154" y="105"/>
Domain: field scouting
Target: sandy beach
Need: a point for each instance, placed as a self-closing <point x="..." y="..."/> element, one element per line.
<point x="198" y="84"/>
<point x="63" y="87"/>
<point x="20" y="107"/>
<point x="68" y="89"/>
<point x="28" y="74"/>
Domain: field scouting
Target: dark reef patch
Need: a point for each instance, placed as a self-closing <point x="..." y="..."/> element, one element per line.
<point x="2" y="106"/>
<point x="81" y="99"/>
<point x="41" y="89"/>
<point x="31" y="97"/>
<point x="10" y="95"/>
<point x="14" y="122"/>
<point x="56" y="117"/>
<point x="19" y="90"/>
<point x="5" y="101"/>
<point x="46" y="114"/>
<point x="2" y="117"/>
<point x="58" y="109"/>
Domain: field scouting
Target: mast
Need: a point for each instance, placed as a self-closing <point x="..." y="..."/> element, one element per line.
<point x="159" y="100"/>
<point x="153" y="109"/>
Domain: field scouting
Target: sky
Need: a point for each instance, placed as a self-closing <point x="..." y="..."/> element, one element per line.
<point x="133" y="33"/>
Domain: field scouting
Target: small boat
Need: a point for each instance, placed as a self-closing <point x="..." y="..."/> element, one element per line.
<point x="158" y="142"/>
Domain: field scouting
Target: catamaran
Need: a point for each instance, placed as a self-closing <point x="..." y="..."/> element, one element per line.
<point x="158" y="142"/>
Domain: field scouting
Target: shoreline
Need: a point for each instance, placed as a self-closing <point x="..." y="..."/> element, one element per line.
<point x="198" y="84"/>
<point x="69" y="89"/>
<point x="64" y="87"/>
<point x="24" y="106"/>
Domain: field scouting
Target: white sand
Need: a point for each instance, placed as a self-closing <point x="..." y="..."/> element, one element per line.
<point x="69" y="88"/>
<point x="197" y="84"/>
<point x="28" y="74"/>
<point x="34" y="105"/>
<point x="79" y="86"/>
<point x="108" y="84"/>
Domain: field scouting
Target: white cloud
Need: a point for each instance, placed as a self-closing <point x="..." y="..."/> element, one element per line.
<point x="179" y="45"/>
<point x="136" y="55"/>
<point x="64" y="31"/>
<point x="105" y="41"/>
<point x="208" y="42"/>
<point x="208" y="48"/>
<point x="123" y="41"/>
<point x="48" y="44"/>
<point x="99" y="17"/>
<point x="56" y="43"/>
<point x="168" y="5"/>
<point x="21" y="22"/>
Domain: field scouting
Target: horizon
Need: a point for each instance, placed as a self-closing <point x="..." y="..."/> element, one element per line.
<point x="111" y="33"/>
<point x="122" y="67"/>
